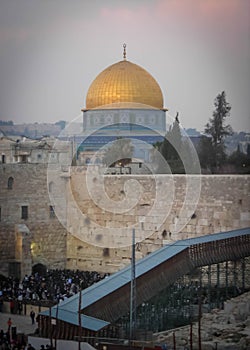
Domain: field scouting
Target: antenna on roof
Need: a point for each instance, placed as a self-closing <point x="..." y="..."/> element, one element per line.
<point x="124" y="52"/>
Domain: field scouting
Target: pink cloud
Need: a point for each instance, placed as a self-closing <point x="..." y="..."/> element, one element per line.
<point x="228" y="16"/>
<point x="224" y="22"/>
<point x="127" y="19"/>
<point x="208" y="10"/>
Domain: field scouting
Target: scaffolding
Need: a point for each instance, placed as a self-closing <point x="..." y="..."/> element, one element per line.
<point x="178" y="304"/>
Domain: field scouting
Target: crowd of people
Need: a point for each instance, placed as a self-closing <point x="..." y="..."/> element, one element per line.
<point x="9" y="343"/>
<point x="53" y="286"/>
<point x="10" y="340"/>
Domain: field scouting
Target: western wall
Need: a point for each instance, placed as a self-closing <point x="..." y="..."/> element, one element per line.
<point x="93" y="232"/>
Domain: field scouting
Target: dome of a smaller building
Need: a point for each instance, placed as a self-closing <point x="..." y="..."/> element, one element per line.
<point x="124" y="82"/>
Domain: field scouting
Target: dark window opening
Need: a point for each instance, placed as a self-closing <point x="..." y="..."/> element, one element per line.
<point x="3" y="158"/>
<point x="40" y="269"/>
<point x="10" y="183"/>
<point x="24" y="158"/>
<point x="105" y="252"/>
<point x="164" y="234"/>
<point x="24" y="214"/>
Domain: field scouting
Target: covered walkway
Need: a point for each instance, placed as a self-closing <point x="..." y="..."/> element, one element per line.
<point x="109" y="299"/>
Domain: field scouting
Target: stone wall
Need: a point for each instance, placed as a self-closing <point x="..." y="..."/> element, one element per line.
<point x="90" y="235"/>
<point x="48" y="235"/>
<point x="223" y="203"/>
<point x="7" y="247"/>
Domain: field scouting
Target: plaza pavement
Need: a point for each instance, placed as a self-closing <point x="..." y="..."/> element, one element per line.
<point x="21" y="322"/>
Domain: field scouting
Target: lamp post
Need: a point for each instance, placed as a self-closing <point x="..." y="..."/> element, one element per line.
<point x="132" y="318"/>
<point x="80" y="318"/>
<point x="132" y="322"/>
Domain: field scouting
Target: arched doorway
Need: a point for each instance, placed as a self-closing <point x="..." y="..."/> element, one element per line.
<point x="40" y="269"/>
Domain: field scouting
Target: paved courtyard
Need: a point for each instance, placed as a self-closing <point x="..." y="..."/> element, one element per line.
<point x="22" y="323"/>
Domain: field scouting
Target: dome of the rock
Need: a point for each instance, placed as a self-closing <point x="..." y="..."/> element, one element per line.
<point x="124" y="82"/>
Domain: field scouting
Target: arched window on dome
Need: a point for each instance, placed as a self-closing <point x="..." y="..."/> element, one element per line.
<point x="10" y="183"/>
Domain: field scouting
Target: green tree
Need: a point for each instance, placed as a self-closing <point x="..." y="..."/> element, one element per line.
<point x="217" y="129"/>
<point x="240" y="161"/>
<point x="172" y="142"/>
<point x="248" y="151"/>
<point x="206" y="153"/>
<point x="119" y="153"/>
<point x="170" y="150"/>
<point x="212" y="148"/>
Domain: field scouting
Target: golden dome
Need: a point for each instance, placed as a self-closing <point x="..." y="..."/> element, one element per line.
<point x="124" y="82"/>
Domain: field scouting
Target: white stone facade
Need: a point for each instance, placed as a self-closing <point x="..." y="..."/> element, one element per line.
<point x="100" y="239"/>
<point x="38" y="151"/>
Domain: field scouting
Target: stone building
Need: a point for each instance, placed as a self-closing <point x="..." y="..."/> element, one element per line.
<point x="36" y="151"/>
<point x="76" y="217"/>
<point x="26" y="211"/>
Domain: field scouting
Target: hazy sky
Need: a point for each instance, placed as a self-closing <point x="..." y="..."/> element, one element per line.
<point x="51" y="50"/>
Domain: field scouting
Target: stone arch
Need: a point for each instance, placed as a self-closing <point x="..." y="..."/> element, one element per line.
<point x="41" y="269"/>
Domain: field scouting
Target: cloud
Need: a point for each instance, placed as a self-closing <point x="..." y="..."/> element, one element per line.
<point x="225" y="21"/>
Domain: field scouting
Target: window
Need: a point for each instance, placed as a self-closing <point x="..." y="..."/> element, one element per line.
<point x="0" y="214"/>
<point x="51" y="211"/>
<point x="24" y="214"/>
<point x="24" y="158"/>
<point x="10" y="183"/>
<point x="3" y="158"/>
<point x="51" y="186"/>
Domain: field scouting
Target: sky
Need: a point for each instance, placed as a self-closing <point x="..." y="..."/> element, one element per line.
<point x="51" y="51"/>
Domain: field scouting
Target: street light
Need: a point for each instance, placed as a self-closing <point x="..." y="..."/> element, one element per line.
<point x="132" y="321"/>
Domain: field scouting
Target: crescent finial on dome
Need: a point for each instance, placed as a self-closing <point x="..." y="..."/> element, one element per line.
<point x="124" y="52"/>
